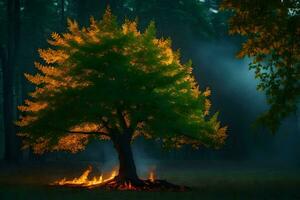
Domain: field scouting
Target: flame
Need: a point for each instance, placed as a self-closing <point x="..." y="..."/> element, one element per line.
<point x="84" y="180"/>
<point x="152" y="176"/>
<point x="127" y="186"/>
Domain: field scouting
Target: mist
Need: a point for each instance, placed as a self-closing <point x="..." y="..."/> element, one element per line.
<point x="235" y="96"/>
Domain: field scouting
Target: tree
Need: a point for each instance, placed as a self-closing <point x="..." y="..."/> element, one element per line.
<point x="62" y="13"/>
<point x="114" y="82"/>
<point x="172" y="15"/>
<point x="8" y="57"/>
<point x="272" y="39"/>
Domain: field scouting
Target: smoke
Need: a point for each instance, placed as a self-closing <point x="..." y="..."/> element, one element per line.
<point x="216" y="66"/>
<point x="234" y="94"/>
<point x="144" y="162"/>
<point x="105" y="157"/>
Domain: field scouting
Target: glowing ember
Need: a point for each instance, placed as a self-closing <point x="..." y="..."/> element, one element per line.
<point x="126" y="186"/>
<point x="84" y="180"/>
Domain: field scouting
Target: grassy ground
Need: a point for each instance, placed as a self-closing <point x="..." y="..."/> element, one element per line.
<point x="210" y="181"/>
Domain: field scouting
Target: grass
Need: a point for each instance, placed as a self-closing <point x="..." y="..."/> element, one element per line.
<point x="219" y="182"/>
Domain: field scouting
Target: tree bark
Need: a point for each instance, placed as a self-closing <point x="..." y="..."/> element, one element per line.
<point x="11" y="142"/>
<point x="127" y="168"/>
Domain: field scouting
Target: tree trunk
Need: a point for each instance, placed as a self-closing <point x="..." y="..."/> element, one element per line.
<point x="11" y="141"/>
<point x="82" y="12"/>
<point x="62" y="10"/>
<point x="127" y="169"/>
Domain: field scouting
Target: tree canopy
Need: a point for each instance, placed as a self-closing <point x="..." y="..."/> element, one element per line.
<point x="272" y="40"/>
<point x="108" y="79"/>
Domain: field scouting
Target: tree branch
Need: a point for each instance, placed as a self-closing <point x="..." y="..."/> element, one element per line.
<point x="82" y="132"/>
<point x="190" y="137"/>
<point x="88" y="133"/>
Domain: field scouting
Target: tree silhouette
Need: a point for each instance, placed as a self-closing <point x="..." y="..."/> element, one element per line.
<point x="113" y="82"/>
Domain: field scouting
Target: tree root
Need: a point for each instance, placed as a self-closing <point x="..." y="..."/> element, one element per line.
<point x="143" y="185"/>
<point x="135" y="185"/>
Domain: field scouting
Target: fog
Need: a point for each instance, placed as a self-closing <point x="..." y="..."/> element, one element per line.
<point x="235" y="96"/>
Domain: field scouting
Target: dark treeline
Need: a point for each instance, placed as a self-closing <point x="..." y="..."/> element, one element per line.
<point x="195" y="26"/>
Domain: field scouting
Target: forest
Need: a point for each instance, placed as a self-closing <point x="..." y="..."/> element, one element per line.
<point x="201" y="93"/>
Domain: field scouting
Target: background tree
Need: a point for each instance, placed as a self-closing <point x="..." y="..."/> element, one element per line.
<point x="176" y="18"/>
<point x="272" y="33"/>
<point x="9" y="53"/>
<point x="114" y="82"/>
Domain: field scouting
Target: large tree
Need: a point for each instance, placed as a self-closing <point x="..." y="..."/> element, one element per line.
<point x="114" y="82"/>
<point x="272" y="40"/>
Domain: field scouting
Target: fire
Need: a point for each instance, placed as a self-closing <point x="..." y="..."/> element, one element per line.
<point x="152" y="176"/>
<point x="84" y="180"/>
<point x="127" y="186"/>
